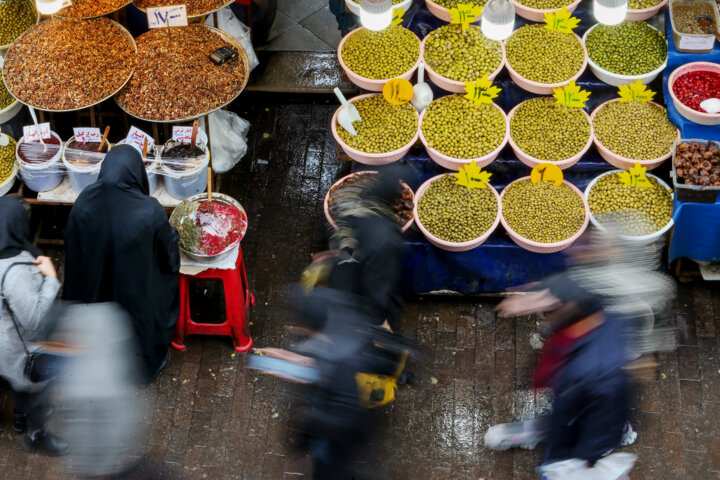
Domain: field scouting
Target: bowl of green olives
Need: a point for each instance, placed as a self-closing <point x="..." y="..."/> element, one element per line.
<point x="387" y="132"/>
<point x="440" y="8"/>
<point x="8" y="166"/>
<point x="454" y="218"/>
<point x="626" y="133"/>
<point x="543" y="217"/>
<point x="637" y="214"/>
<point x="370" y="59"/>
<point x="354" y="5"/>
<point x="453" y="56"/>
<point x="541" y="130"/>
<point x="16" y="16"/>
<point x="625" y="62"/>
<point x="456" y="132"/>
<point x="535" y="10"/>
<point x="9" y="106"/>
<point x="639" y="10"/>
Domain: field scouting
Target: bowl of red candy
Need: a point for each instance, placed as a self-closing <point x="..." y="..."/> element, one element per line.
<point x="209" y="230"/>
<point x="695" y="91"/>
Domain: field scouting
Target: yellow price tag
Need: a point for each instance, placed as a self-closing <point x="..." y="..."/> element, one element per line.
<point x="561" y="21"/>
<point x="481" y="90"/>
<point x="635" y="177"/>
<point x="398" y="91"/>
<point x="472" y="176"/>
<point x="635" y="91"/>
<point x="465" y="14"/>
<point x="397" y="16"/>
<point x="546" y="172"/>
<point x="571" y="95"/>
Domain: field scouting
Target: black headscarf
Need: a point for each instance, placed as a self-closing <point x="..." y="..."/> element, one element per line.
<point x="121" y="248"/>
<point x="14" y="229"/>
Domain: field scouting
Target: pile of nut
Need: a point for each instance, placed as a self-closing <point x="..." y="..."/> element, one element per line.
<point x="544" y="56"/>
<point x="384" y="127"/>
<point x="698" y="164"/>
<point x="174" y="77"/>
<point x="379" y="55"/>
<point x="194" y="7"/>
<point x="461" y="55"/>
<point x="69" y="64"/>
<point x="92" y="8"/>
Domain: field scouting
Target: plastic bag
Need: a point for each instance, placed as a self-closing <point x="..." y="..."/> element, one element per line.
<point x="228" y="134"/>
<point x="228" y="22"/>
<point x="612" y="467"/>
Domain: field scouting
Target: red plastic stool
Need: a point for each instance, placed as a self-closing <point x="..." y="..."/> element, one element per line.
<point x="238" y="301"/>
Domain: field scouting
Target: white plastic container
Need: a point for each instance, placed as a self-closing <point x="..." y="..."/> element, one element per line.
<point x="80" y="176"/>
<point x="45" y="176"/>
<point x="694" y="42"/>
<point x="355" y="7"/>
<point x="184" y="184"/>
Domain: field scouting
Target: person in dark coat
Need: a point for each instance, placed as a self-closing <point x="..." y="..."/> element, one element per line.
<point x="121" y="248"/>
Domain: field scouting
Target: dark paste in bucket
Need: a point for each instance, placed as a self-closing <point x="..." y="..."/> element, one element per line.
<point x="79" y="157"/>
<point x="33" y="152"/>
<point x="176" y="154"/>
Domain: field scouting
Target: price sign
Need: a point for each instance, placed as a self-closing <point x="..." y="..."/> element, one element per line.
<point x="472" y="176"/>
<point x="87" y="135"/>
<point x="635" y="177"/>
<point x="184" y="135"/>
<point x="33" y="134"/>
<point x="571" y="95"/>
<point x="636" y="91"/>
<point x="561" y="21"/>
<point x="170" y="16"/>
<point x="465" y="14"/>
<point x="546" y="172"/>
<point x="398" y="91"/>
<point x="137" y="137"/>
<point x="481" y="91"/>
<point x="397" y="16"/>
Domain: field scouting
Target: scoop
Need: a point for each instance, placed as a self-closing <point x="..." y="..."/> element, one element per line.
<point x="348" y="113"/>
<point x="422" y="93"/>
<point x="707" y="24"/>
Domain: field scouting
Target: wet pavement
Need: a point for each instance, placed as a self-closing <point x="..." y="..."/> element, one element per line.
<point x="210" y="418"/>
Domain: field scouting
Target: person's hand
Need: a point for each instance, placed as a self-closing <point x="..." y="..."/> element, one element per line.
<point x="45" y="265"/>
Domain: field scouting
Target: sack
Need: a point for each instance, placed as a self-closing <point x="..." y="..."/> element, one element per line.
<point x="228" y="134"/>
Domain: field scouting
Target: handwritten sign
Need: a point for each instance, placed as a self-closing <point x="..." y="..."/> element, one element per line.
<point x="481" y="90"/>
<point x="170" y="16"/>
<point x="465" y="14"/>
<point x="184" y="135"/>
<point x="32" y="134"/>
<point x="546" y="172"/>
<point x="398" y="91"/>
<point x="87" y="135"/>
<point x="635" y="91"/>
<point x="472" y="176"/>
<point x="561" y="21"/>
<point x="635" y="177"/>
<point x="397" y="16"/>
<point x="571" y="95"/>
<point x="136" y="138"/>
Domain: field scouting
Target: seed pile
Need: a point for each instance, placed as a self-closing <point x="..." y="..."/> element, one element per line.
<point x="174" y="77"/>
<point x="630" y="48"/>
<point x="455" y="126"/>
<point x="639" y="4"/>
<point x="545" y="4"/>
<point x="453" y="213"/>
<point x="460" y="55"/>
<point x="194" y="7"/>
<point x="693" y="88"/>
<point x="633" y="210"/>
<point x="69" y="64"/>
<point x="16" y="16"/>
<point x="7" y="160"/>
<point x="5" y="98"/>
<point x="543" y="55"/>
<point x="549" y="131"/>
<point x="543" y="212"/>
<point x="384" y="127"/>
<point x="698" y="164"/>
<point x="684" y="14"/>
<point x="454" y="3"/>
<point x="91" y="8"/>
<point x="379" y="55"/>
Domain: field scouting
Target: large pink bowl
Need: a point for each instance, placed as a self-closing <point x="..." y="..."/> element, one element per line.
<point x="371" y="158"/>
<point x="439" y="11"/>
<point x="532" y="162"/>
<point x="644" y="13"/>
<point x="326" y="203"/>
<point x="453" y="163"/>
<point x="455" y="86"/>
<point x="539" y="247"/>
<point x="618" y="160"/>
<point x="687" y="112"/>
<point x="444" y="244"/>
<point x="369" y="83"/>
<point x="536" y="14"/>
<point x="544" y="88"/>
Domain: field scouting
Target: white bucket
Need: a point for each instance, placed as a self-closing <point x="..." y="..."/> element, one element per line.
<point x="80" y="177"/>
<point x="184" y="184"/>
<point x="41" y="177"/>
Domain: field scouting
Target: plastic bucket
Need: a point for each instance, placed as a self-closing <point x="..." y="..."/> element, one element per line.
<point x="80" y="177"/>
<point x="184" y="184"/>
<point x="41" y="177"/>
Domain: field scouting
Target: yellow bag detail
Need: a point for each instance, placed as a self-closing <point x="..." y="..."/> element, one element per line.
<point x="378" y="390"/>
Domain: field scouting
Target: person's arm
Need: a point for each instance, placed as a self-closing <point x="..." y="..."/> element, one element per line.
<point x="30" y="305"/>
<point x="169" y="252"/>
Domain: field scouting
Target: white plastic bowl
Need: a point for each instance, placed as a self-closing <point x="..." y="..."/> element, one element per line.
<point x="355" y="7"/>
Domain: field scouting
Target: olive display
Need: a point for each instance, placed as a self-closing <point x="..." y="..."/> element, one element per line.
<point x="630" y="209"/>
<point x="5" y="98"/>
<point x="634" y="129"/>
<point x="16" y="16"/>
<point x="544" y="56"/>
<point x="543" y="212"/>
<point x="453" y="213"/>
<point x="384" y="127"/>
<point x="379" y="55"/>
<point x="549" y="131"/>
<point x="7" y="160"/>
<point x="395" y="2"/>
<point x="462" y="55"/>
<point x="545" y="4"/>
<point x="630" y="48"/>
<point x="455" y="126"/>
<point x="639" y="4"/>
<point x="454" y="3"/>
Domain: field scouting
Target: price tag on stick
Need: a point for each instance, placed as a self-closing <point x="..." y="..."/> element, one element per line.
<point x="635" y="177"/>
<point x="86" y="135"/>
<point x="481" y="90"/>
<point x="571" y="95"/>
<point x="184" y="134"/>
<point x="465" y="14"/>
<point x="398" y="91"/>
<point x="472" y="176"/>
<point x="397" y="16"/>
<point x="33" y="133"/>
<point x="561" y="21"/>
<point x="137" y="138"/>
<point x="635" y="91"/>
<point x="546" y="172"/>
<point x="169" y="16"/>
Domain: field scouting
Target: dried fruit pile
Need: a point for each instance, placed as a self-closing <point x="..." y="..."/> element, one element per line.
<point x="92" y="8"/>
<point x="695" y="87"/>
<point x="194" y="7"/>
<point x="698" y="164"/>
<point x="174" y="77"/>
<point x="208" y="228"/>
<point x="69" y="64"/>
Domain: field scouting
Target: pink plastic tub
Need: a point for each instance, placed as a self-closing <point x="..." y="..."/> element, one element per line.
<point x="644" y="13"/>
<point x="539" y="247"/>
<point x="439" y="11"/>
<point x="454" y="246"/>
<point x="687" y="112"/>
<point x="536" y="14"/>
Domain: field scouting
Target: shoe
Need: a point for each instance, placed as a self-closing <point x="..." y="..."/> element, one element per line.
<point x="19" y="421"/>
<point x="47" y="443"/>
<point x="629" y="435"/>
<point x="526" y="435"/>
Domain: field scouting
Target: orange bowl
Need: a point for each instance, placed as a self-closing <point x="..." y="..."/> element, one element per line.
<point x="693" y="115"/>
<point x="537" y="14"/>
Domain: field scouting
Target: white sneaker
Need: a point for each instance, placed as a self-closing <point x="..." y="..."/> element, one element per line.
<point x="629" y="435"/>
<point x="525" y="435"/>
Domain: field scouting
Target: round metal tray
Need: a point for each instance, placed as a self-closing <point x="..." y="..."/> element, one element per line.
<point x="242" y="56"/>
<point x="117" y="25"/>
<point x="127" y="2"/>
<point x="227" y="2"/>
